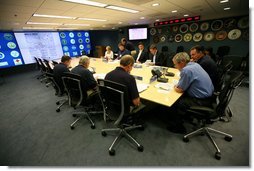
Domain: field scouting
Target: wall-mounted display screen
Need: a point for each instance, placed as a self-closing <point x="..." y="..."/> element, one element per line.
<point x="137" y="33"/>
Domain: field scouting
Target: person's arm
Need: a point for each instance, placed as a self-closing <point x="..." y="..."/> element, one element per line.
<point x="136" y="102"/>
<point x="178" y="89"/>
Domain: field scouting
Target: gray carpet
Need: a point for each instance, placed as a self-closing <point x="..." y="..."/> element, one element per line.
<point x="33" y="134"/>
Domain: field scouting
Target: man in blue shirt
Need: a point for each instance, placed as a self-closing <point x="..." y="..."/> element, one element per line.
<point x="122" y="51"/>
<point x="196" y="85"/>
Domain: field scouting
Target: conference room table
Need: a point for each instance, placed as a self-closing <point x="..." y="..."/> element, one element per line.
<point x="160" y="93"/>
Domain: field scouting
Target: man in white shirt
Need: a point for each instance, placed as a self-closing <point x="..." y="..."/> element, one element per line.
<point x="141" y="56"/>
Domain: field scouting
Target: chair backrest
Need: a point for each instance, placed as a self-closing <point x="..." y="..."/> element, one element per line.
<point x="115" y="99"/>
<point x="222" y="51"/>
<point x="72" y="84"/>
<point x="43" y="67"/>
<point x="223" y="69"/>
<point x="50" y="76"/>
<point x="54" y="62"/>
<point x="236" y="61"/>
<point x="227" y="91"/>
<point x="37" y="63"/>
<point x="48" y="67"/>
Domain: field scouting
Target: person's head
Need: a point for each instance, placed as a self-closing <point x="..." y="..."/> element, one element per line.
<point x="108" y="48"/>
<point x="66" y="60"/>
<point x="84" y="61"/>
<point x="153" y="49"/>
<point x="127" y="62"/>
<point x="208" y="51"/>
<point x="121" y="47"/>
<point x="123" y="41"/>
<point x="197" y="52"/>
<point x="180" y="60"/>
<point x="141" y="46"/>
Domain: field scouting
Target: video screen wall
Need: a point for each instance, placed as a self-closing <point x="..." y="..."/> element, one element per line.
<point x="18" y="48"/>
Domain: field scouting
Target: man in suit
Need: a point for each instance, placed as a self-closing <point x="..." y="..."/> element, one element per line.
<point x="129" y="46"/>
<point x="122" y="51"/>
<point x="157" y="57"/>
<point x="58" y="71"/>
<point x="141" y="56"/>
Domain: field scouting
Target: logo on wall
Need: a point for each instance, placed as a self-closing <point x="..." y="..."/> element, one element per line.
<point x="64" y="42"/>
<point x="72" y="41"/>
<point x="71" y="34"/>
<point x="2" y="55"/>
<point x="8" y="36"/>
<point x="87" y="40"/>
<point x="17" y="61"/>
<point x="81" y="46"/>
<point x="86" y="34"/>
<point x="65" y="48"/>
<point x="79" y="34"/>
<point x="14" y="53"/>
<point x="11" y="45"/>
<point x="62" y="35"/>
<point x="80" y="40"/>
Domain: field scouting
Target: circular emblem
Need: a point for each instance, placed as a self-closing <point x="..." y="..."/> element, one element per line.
<point x="79" y="34"/>
<point x="197" y="37"/>
<point x="88" y="46"/>
<point x="156" y="39"/>
<point x="216" y="25"/>
<point x="208" y="36"/>
<point x="62" y="35"/>
<point x="163" y="38"/>
<point x="243" y="23"/>
<point x="171" y="38"/>
<point x="204" y="26"/>
<point x="64" y="42"/>
<point x="11" y="45"/>
<point x="187" y="37"/>
<point x="72" y="41"/>
<point x="221" y="35"/>
<point x="234" y="34"/>
<point x="178" y="38"/>
<point x="81" y="46"/>
<point x="193" y="27"/>
<point x="14" y="53"/>
<point x="71" y="35"/>
<point x="2" y="55"/>
<point x="65" y="48"/>
<point x="230" y="23"/>
<point x="152" y="31"/>
<point x="87" y="40"/>
<point x="183" y="28"/>
<point x="73" y="47"/>
<point x="86" y="34"/>
<point x="175" y="28"/>
<point x="80" y="40"/>
<point x="8" y="36"/>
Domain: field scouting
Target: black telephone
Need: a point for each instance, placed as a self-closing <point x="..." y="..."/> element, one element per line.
<point x="170" y="74"/>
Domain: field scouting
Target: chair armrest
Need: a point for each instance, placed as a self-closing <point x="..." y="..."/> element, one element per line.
<point x="201" y="109"/>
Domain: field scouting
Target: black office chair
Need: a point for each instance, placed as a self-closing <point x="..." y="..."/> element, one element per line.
<point x="116" y="107"/>
<point x="54" y="62"/>
<point x="206" y="115"/>
<point x="48" y="67"/>
<point x="221" y="52"/>
<point x="77" y="98"/>
<point x="60" y="102"/>
<point x="43" y="69"/>
<point x="38" y="65"/>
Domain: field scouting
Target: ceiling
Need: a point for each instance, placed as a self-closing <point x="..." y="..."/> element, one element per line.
<point x="14" y="14"/>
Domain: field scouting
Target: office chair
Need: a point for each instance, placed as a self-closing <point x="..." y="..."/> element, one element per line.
<point x="208" y="115"/>
<point x="60" y="102"/>
<point x="54" y="62"/>
<point x="77" y="97"/>
<point x="43" y="69"/>
<point x="116" y="107"/>
<point x="236" y="61"/>
<point x="221" y="52"/>
<point x="38" y="66"/>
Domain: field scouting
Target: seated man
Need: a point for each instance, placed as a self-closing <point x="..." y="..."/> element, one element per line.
<point x="156" y="57"/>
<point x="122" y="51"/>
<point x="196" y="85"/>
<point x="58" y="71"/>
<point x="122" y="75"/>
<point x="88" y="82"/>
<point x="141" y="56"/>
<point x="129" y="46"/>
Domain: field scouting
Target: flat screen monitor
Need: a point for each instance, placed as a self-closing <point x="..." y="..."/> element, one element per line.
<point x="137" y="33"/>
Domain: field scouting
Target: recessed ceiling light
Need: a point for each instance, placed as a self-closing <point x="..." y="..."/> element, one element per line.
<point x="142" y="18"/>
<point x="155" y="4"/>
<point x="53" y="16"/>
<point x="227" y="8"/>
<point x="136" y="23"/>
<point x="120" y="22"/>
<point x="121" y="9"/>
<point x="223" y="1"/>
<point x="67" y="24"/>
<point x="86" y="2"/>
<point x="91" y="19"/>
<point x="43" y="23"/>
<point x="186" y="15"/>
<point x="157" y="20"/>
<point x="174" y="11"/>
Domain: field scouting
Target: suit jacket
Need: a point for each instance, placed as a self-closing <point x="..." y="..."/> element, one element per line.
<point x="159" y="60"/>
<point x="143" y="57"/>
<point x="122" y="53"/>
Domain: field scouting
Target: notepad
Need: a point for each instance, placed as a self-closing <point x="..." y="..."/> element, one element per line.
<point x="99" y="76"/>
<point x="142" y="87"/>
<point x="164" y="86"/>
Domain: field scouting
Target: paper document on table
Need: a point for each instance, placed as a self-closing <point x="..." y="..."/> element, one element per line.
<point x="164" y="86"/>
<point x="142" y="87"/>
<point x="99" y="76"/>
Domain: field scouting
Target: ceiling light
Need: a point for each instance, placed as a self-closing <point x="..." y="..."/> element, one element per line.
<point x="44" y="23"/>
<point x="186" y="15"/>
<point x="223" y="1"/>
<point x="67" y="28"/>
<point x="41" y="28"/>
<point x="113" y="28"/>
<point x="77" y="24"/>
<point x="155" y="4"/>
<point x="120" y="22"/>
<point x="121" y="9"/>
<point x="157" y="20"/>
<point x="86" y="2"/>
<point x="227" y="8"/>
<point x="53" y="16"/>
<point x="136" y="23"/>
<point x="174" y="11"/>
<point x="92" y="19"/>
<point x="142" y="18"/>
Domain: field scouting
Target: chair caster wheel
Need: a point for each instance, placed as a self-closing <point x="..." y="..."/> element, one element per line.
<point x="103" y="133"/>
<point x="228" y="139"/>
<point x="185" y="139"/>
<point x="217" y="156"/>
<point x="72" y="127"/>
<point x="93" y="126"/>
<point x="57" y="110"/>
<point x="57" y="103"/>
<point x="74" y="115"/>
<point x="112" y="152"/>
<point x="140" y="148"/>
